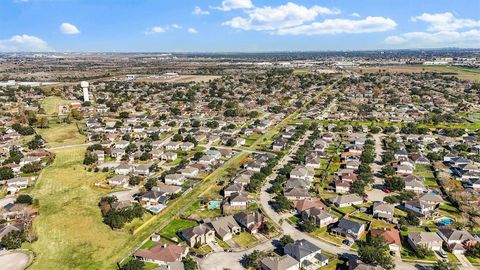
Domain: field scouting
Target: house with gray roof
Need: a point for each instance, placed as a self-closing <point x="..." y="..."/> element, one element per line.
<point x="429" y="240"/>
<point x="308" y="254"/>
<point x="285" y="262"/>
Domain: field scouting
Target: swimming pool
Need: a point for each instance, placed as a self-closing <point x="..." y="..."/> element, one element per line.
<point x="213" y="205"/>
<point x="445" y="221"/>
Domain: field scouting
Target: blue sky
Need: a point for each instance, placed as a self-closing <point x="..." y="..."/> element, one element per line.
<point x="236" y="25"/>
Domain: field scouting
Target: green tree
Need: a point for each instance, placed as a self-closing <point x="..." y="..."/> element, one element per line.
<point x="24" y="198"/>
<point x="134" y="265"/>
<point x="13" y="239"/>
<point x="6" y="173"/>
<point x="445" y="265"/>
<point x="375" y="251"/>
<point x="286" y="239"/>
<point x="252" y="260"/>
<point x="189" y="263"/>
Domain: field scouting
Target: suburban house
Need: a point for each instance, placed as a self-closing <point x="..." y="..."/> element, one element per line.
<point x="285" y="262"/>
<point x="119" y="180"/>
<point x="302" y="205"/>
<point x="151" y="198"/>
<point x="429" y="240"/>
<point x="189" y="172"/>
<point x="383" y="210"/>
<point x="296" y="193"/>
<point x="174" y="179"/>
<point x="124" y="169"/>
<point x="225" y="227"/>
<point x="308" y="254"/>
<point x="252" y="222"/>
<point x="198" y="235"/>
<point x="349" y="228"/>
<point x="302" y="173"/>
<point x="346" y="200"/>
<point x="169" y="156"/>
<point x="319" y="216"/>
<point x="456" y="240"/>
<point x="392" y="237"/>
<point x="162" y="254"/>
<point x="236" y="201"/>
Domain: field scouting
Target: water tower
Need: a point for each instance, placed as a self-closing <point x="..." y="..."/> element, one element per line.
<point x="84" y="86"/>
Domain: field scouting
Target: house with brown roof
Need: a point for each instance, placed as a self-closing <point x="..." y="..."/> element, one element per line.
<point x="302" y="205"/>
<point x="162" y="254"/>
<point x="392" y="237"/>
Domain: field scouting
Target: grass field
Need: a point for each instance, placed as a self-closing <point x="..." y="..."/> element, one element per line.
<point x="175" y="226"/>
<point x="71" y="234"/>
<point x="50" y="104"/>
<point x="61" y="134"/>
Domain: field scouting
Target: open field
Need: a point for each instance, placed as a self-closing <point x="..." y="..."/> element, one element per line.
<point x="61" y="134"/>
<point x="471" y="74"/>
<point x="50" y="104"/>
<point x="71" y="234"/>
<point x="181" y="79"/>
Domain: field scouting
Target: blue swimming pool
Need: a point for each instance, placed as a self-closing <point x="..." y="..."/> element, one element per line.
<point x="445" y="221"/>
<point x="213" y="205"/>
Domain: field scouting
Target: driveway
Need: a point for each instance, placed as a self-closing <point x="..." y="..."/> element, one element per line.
<point x="215" y="246"/>
<point x="14" y="260"/>
<point x="463" y="260"/>
<point x="126" y="195"/>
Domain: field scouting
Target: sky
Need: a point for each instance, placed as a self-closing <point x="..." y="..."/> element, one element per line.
<point x="236" y="25"/>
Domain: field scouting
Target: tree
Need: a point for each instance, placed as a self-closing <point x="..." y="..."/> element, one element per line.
<point x="134" y="265"/>
<point x="358" y="187"/>
<point x="395" y="183"/>
<point x="422" y="252"/>
<point x="286" y="239"/>
<point x="444" y="265"/>
<point x="252" y="260"/>
<point x="189" y="263"/>
<point x="24" y="198"/>
<point x="375" y="251"/>
<point x="388" y="170"/>
<point x="13" y="239"/>
<point x="281" y="203"/>
<point x="124" y="115"/>
<point x="307" y="226"/>
<point x="6" y="173"/>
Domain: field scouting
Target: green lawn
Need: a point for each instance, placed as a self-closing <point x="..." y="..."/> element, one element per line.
<point x="61" y="134"/>
<point x="175" y="226"/>
<point x="50" y="104"/>
<point x="245" y="240"/>
<point x="71" y="234"/>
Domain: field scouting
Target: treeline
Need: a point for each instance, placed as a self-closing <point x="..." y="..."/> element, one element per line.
<point x="116" y="218"/>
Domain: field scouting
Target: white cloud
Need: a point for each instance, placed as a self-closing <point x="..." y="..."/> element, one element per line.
<point x="445" y="22"/>
<point x="470" y="38"/>
<point x="443" y="30"/>
<point x="156" y="30"/>
<point x="162" y="29"/>
<point x="69" y="29"/>
<point x="23" y="43"/>
<point x="355" y="14"/>
<point x="21" y="1"/>
<point x="199" y="11"/>
<point x="275" y="18"/>
<point x="192" y="30"/>
<point x="338" y="26"/>
<point x="228" y="5"/>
